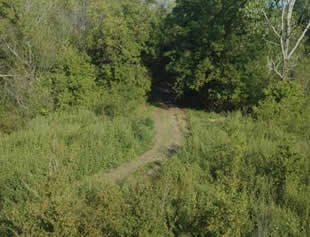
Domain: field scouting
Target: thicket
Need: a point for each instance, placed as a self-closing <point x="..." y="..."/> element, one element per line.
<point x="217" y="55"/>
<point x="59" y="54"/>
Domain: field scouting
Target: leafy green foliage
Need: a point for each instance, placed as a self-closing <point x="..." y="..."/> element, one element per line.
<point x="285" y="104"/>
<point x="212" y="50"/>
<point x="115" y="43"/>
<point x="35" y="37"/>
<point x="72" y="81"/>
<point x="60" y="54"/>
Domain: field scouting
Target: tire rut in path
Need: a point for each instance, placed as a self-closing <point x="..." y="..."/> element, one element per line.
<point x="169" y="128"/>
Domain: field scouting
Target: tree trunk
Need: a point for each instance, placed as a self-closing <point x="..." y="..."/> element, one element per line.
<point x="285" y="73"/>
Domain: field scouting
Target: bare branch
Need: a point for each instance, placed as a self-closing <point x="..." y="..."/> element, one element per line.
<point x="278" y="73"/>
<point x="274" y="67"/>
<point x="283" y="32"/>
<point x="284" y="4"/>
<point x="276" y="70"/>
<point x="291" y="4"/>
<point x="16" y="98"/>
<point x="271" y="42"/>
<point x="14" y="53"/>
<point x="270" y="24"/>
<point x="299" y="40"/>
<point x="284" y="67"/>
<point x="293" y="29"/>
<point x="289" y="16"/>
<point x="4" y="76"/>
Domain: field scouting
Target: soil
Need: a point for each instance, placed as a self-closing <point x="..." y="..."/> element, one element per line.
<point x="169" y="127"/>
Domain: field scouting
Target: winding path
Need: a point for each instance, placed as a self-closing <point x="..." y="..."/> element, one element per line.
<point x="169" y="128"/>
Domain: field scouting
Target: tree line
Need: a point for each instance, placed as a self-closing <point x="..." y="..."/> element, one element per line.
<point x="59" y="54"/>
<point x="222" y="53"/>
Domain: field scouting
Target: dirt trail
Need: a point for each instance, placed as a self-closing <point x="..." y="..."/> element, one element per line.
<point x="169" y="128"/>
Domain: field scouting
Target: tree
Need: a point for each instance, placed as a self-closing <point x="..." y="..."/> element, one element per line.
<point x="117" y="35"/>
<point x="288" y="37"/>
<point x="17" y="71"/>
<point x="212" y="52"/>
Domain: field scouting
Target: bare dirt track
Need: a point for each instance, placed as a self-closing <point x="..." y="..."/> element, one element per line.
<point x="169" y="128"/>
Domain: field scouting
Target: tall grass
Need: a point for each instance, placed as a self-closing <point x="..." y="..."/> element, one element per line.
<point x="66" y="147"/>
<point x="258" y="168"/>
<point x="236" y="176"/>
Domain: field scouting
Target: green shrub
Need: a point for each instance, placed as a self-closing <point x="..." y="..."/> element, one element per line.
<point x="119" y="100"/>
<point x="282" y="98"/>
<point x="71" y="82"/>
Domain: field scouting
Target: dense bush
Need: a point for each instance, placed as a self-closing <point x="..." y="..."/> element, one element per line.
<point x="59" y="54"/>
<point x="212" y="51"/>
<point x="115" y="44"/>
